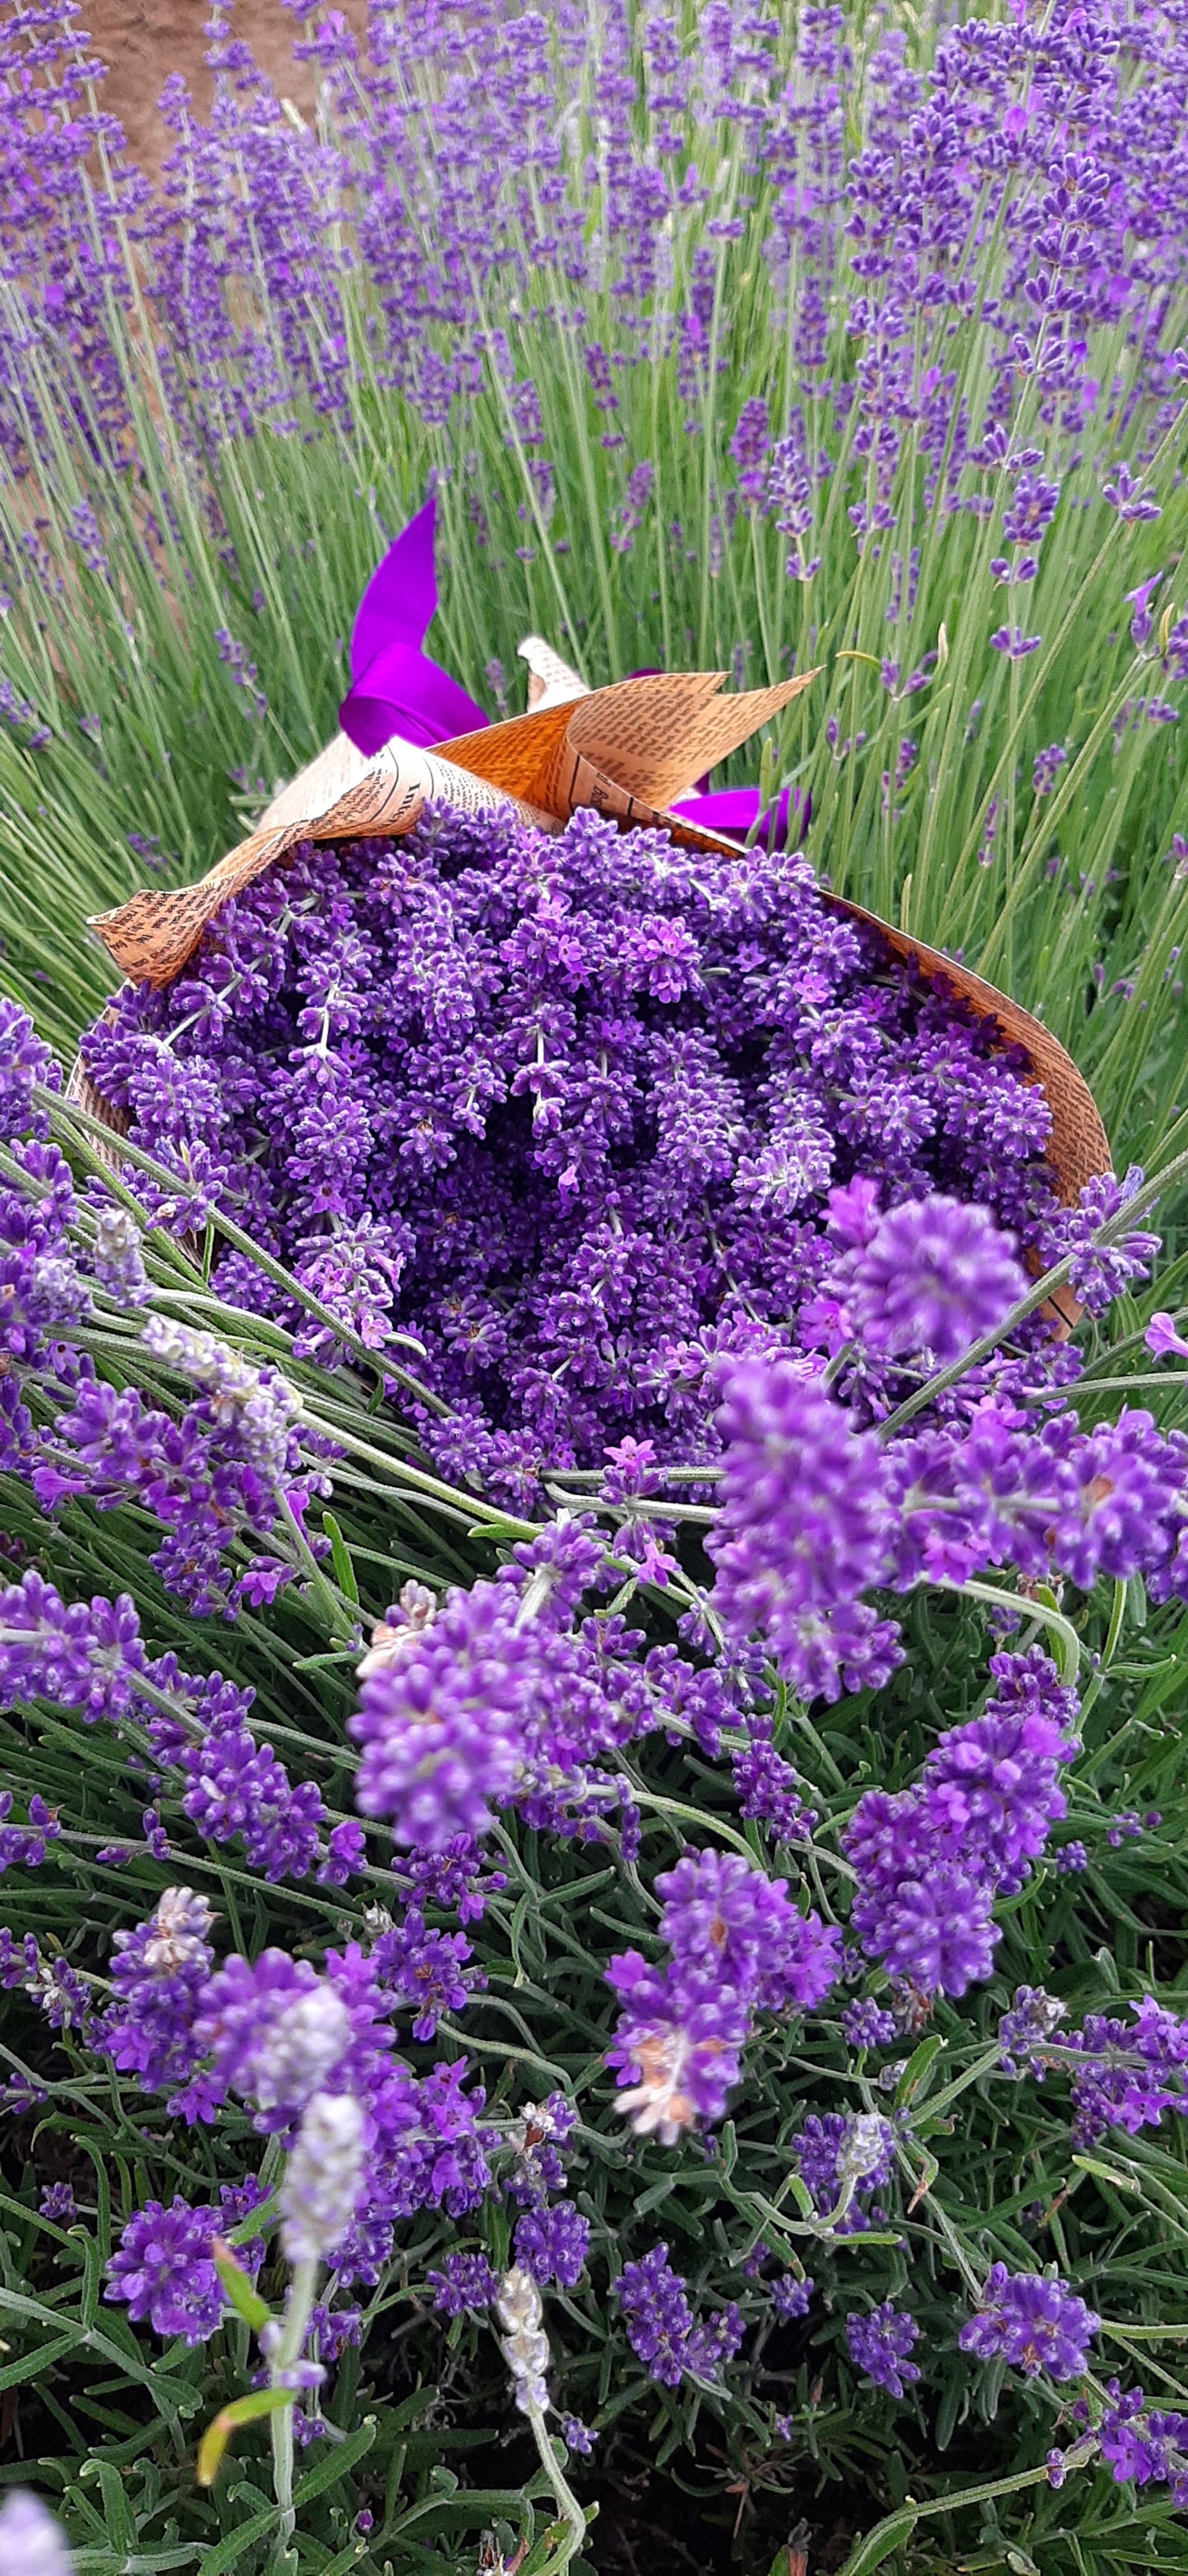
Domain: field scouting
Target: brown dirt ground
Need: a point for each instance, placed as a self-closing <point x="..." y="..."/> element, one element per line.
<point x="143" y="41"/>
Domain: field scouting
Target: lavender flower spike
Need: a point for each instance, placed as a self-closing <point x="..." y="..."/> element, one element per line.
<point x="324" y="2179"/>
<point x="1034" y="2321"/>
<point x="936" y="1276"/>
<point x="32" y="2542"/>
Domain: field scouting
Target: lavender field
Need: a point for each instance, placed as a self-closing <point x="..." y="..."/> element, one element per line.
<point x="594" y="1514"/>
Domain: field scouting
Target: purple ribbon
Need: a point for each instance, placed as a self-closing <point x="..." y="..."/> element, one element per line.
<point x="732" y="810"/>
<point x="395" y="687"/>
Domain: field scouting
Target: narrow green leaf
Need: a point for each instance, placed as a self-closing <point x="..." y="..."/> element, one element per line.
<point x="244" y="2297"/>
<point x="340" y="1557"/>
<point x="235" y="2545"/>
<point x="917" y="2067"/>
<point x="242" y="2410"/>
<point x="1106" y="2173"/>
<point x="880" y="2543"/>
<point x="337" y="2462"/>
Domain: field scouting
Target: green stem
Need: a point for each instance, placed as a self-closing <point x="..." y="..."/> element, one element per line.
<point x="288" y="2353"/>
<point x="1109" y="1650"/>
<point x="1024" y="1607"/>
<point x="575" y="2520"/>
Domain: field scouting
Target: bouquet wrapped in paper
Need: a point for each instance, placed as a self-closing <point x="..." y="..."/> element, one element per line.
<point x="472" y="1032"/>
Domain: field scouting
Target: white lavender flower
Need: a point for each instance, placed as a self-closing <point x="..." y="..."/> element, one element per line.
<point x="259" y="1406"/>
<point x="299" y="2047"/>
<point x="32" y="2542"/>
<point x="179" y="1928"/>
<point x="865" y="2148"/>
<point x="324" y="2178"/>
<point x="118" y="1258"/>
<point x="391" y="1638"/>
<point x="525" y="2346"/>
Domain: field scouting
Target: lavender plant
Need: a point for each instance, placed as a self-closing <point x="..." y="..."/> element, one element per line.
<point x="550" y="1941"/>
<point x="704" y="2008"/>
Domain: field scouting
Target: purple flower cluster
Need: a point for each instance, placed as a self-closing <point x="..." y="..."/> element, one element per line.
<point x="930" y="1276"/>
<point x="1032" y="2321"/>
<point x="226" y="1468"/>
<point x="89" y="1656"/>
<point x="881" y="2344"/>
<point x="803" y="1530"/>
<point x="509" y="1696"/>
<point x="1127" y="2074"/>
<point x="842" y="2157"/>
<point x="930" y="1860"/>
<point x="815" y="1512"/>
<point x="293" y="2043"/>
<point x="661" y="2328"/>
<point x="509" y="1090"/>
<point x="738" y="1946"/>
<point x="463" y="2285"/>
<point x="163" y="2268"/>
<point x="1145" y="2443"/>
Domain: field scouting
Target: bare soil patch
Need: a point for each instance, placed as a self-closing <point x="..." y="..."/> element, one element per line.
<point x="143" y="41"/>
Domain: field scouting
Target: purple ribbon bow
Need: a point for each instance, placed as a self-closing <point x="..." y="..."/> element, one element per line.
<point x="395" y="687"/>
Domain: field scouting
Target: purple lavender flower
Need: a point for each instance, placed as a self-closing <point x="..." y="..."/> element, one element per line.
<point x="24" y="1060"/>
<point x="930" y="1860"/>
<point x="766" y="1788"/>
<point x="791" y="2297"/>
<point x="1129" y="2073"/>
<point x="1033" y="2321"/>
<point x="880" y="2345"/>
<point x="842" y="2157"/>
<point x="1099" y="1272"/>
<point x="159" y="1978"/>
<point x="724" y="1919"/>
<point x="463" y="2285"/>
<point x="26" y="1844"/>
<point x="426" y="1969"/>
<point x="677" y="2048"/>
<point x="802" y="1530"/>
<point x="1143" y="2443"/>
<point x="1012" y="641"/>
<point x="1023" y="2031"/>
<point x="275" y="2032"/>
<point x="935" y="1277"/>
<point x="552" y="2242"/>
<point x="1162" y="1338"/>
<point x="864" y="2024"/>
<point x="737" y="1946"/>
<point x="85" y="1657"/>
<point x="441" y="1729"/>
<point x="57" y="2201"/>
<point x="1046" y="768"/>
<point x="164" y="2270"/>
<point x="660" y="2323"/>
